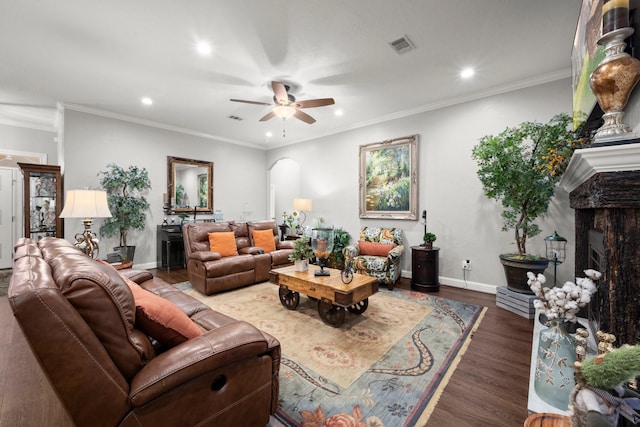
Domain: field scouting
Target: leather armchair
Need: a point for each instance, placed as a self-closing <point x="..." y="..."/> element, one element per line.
<point x="79" y="317"/>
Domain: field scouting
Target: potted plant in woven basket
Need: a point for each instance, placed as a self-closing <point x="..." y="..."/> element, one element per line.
<point x="520" y="168"/>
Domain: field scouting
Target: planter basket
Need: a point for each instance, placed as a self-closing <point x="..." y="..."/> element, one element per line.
<point x="515" y="271"/>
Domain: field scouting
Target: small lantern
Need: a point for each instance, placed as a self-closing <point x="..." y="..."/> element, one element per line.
<point x="556" y="251"/>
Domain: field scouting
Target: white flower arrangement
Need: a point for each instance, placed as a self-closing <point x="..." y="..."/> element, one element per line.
<point x="565" y="302"/>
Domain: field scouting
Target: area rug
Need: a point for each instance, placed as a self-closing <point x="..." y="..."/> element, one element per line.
<point x="386" y="367"/>
<point x="5" y="275"/>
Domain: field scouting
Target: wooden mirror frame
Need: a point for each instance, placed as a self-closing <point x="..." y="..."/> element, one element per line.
<point x="175" y="162"/>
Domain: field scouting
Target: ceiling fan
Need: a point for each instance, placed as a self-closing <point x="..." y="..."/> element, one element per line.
<point x="285" y="105"/>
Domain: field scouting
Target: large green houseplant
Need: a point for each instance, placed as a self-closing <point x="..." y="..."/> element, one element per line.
<point x="520" y="168"/>
<point x="128" y="206"/>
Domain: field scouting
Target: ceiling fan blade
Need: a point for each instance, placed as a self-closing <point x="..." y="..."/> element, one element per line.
<point x="270" y="115"/>
<point x="304" y="117"/>
<point x="250" y="102"/>
<point x="310" y="103"/>
<point x="280" y="93"/>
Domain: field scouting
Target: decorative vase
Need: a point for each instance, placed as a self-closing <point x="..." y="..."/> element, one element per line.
<point x="554" y="375"/>
<point x="612" y="82"/>
<point x="301" y="264"/>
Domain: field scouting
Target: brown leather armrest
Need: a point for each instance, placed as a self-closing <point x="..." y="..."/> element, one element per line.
<point x="251" y="250"/>
<point x="205" y="256"/>
<point x="138" y="276"/>
<point x="286" y="244"/>
<point x="214" y="349"/>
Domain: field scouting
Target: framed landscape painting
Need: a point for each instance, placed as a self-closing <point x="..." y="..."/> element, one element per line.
<point x="389" y="179"/>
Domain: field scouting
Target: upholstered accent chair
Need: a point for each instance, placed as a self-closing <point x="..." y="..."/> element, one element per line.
<point x="378" y="253"/>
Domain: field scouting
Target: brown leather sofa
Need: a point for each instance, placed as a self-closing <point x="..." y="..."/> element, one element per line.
<point x="81" y="321"/>
<point x="209" y="272"/>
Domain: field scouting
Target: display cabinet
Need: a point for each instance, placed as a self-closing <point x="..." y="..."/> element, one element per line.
<point x="42" y="200"/>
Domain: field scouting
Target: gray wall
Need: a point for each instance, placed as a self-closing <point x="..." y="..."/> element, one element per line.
<point x="467" y="224"/>
<point x="30" y="140"/>
<point x="91" y="142"/>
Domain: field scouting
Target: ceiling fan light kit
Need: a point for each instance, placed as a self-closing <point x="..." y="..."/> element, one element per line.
<point x="286" y="106"/>
<point x="284" y="111"/>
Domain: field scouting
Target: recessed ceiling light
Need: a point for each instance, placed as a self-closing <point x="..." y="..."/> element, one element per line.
<point x="203" y="48"/>
<point x="268" y="134"/>
<point x="147" y="101"/>
<point x="467" y="73"/>
<point x="339" y="113"/>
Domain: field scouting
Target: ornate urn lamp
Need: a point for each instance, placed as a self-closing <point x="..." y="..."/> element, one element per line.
<point x="322" y="245"/>
<point x="617" y="74"/>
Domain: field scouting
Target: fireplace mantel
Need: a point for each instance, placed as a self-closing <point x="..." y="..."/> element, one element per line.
<point x="587" y="162"/>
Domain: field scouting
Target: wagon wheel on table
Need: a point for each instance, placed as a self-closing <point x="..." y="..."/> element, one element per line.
<point x="289" y="299"/>
<point x="359" y="307"/>
<point x="330" y="314"/>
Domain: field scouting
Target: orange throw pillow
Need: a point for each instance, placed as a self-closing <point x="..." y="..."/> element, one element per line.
<point x="374" y="249"/>
<point x="160" y="318"/>
<point x="264" y="239"/>
<point x="224" y="243"/>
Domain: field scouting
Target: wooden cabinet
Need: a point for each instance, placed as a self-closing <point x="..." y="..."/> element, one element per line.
<point x="42" y="200"/>
<point x="424" y="269"/>
<point x="170" y="247"/>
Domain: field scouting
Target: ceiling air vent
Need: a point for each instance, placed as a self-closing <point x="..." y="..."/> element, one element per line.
<point x="402" y="45"/>
<point x="234" y="118"/>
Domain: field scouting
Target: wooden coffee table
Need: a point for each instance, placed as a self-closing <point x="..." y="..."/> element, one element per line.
<point x="332" y="294"/>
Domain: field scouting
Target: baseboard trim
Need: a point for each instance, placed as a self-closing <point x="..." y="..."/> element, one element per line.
<point x="464" y="284"/>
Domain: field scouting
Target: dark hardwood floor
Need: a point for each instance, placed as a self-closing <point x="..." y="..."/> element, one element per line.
<point x="489" y="387"/>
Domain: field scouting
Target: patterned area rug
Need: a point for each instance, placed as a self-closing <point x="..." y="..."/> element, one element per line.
<point x="5" y="275"/>
<point x="386" y="367"/>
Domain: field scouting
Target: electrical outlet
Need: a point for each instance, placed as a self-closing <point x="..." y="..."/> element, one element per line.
<point x="466" y="264"/>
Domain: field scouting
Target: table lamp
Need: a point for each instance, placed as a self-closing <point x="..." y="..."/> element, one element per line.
<point x="87" y="204"/>
<point x="302" y="206"/>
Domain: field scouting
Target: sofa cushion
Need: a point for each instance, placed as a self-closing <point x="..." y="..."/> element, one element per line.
<point x="224" y="243"/>
<point x="160" y="318"/>
<point x="264" y="239"/>
<point x="375" y="249"/>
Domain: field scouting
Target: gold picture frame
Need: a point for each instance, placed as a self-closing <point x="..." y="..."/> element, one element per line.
<point x="389" y="179"/>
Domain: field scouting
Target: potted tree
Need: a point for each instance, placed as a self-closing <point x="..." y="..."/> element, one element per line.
<point x="520" y="168"/>
<point x="128" y="206"/>
<point x="302" y="253"/>
<point x="428" y="240"/>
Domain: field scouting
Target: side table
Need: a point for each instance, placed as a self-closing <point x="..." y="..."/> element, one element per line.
<point x="424" y="269"/>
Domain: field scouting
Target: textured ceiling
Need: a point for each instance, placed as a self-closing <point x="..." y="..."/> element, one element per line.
<point x="103" y="56"/>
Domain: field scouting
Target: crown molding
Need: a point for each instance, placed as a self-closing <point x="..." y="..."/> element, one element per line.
<point x="154" y="124"/>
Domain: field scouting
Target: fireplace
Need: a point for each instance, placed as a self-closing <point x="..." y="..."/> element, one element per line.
<point x="596" y="261"/>
<point x="604" y="190"/>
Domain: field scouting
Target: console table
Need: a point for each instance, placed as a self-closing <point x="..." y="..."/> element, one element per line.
<point x="170" y="247"/>
<point x="424" y="268"/>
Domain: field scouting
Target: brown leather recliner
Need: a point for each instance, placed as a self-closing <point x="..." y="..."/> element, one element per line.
<point x="78" y="316"/>
<point x="209" y="272"/>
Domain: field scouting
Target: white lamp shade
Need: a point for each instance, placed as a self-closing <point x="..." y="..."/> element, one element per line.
<point x="303" y="205"/>
<point x="86" y="204"/>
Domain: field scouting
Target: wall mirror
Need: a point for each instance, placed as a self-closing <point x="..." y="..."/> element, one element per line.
<point x="190" y="184"/>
